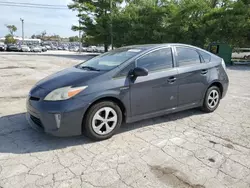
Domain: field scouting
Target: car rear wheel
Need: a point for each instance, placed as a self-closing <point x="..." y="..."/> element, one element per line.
<point x="102" y="120"/>
<point x="212" y="99"/>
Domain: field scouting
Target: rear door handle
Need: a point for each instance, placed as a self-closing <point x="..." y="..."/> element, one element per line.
<point x="203" y="72"/>
<point x="171" y="79"/>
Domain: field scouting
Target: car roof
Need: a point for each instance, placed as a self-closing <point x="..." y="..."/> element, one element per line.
<point x="151" y="46"/>
<point x="145" y="47"/>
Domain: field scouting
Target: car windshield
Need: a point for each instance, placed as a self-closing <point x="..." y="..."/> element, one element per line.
<point x="110" y="60"/>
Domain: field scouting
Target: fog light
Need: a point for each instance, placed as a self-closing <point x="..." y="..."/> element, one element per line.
<point x="58" y="120"/>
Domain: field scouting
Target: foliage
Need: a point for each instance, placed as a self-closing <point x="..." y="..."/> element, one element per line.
<point x="43" y="36"/>
<point x="12" y="29"/>
<point x="9" y="39"/>
<point x="95" y="19"/>
<point x="197" y="22"/>
<point x="74" y="39"/>
<point x="39" y="36"/>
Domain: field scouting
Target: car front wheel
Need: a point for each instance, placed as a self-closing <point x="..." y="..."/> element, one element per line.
<point x="102" y="120"/>
<point x="212" y="99"/>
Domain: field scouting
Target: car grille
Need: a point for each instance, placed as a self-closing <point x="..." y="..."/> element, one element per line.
<point x="34" y="98"/>
<point x="37" y="121"/>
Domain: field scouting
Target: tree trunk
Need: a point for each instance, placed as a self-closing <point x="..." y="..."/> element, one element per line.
<point x="105" y="47"/>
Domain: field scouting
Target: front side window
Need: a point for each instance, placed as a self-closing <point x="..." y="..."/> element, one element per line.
<point x="157" y="60"/>
<point x="187" y="56"/>
<point x="125" y="71"/>
<point x="110" y="60"/>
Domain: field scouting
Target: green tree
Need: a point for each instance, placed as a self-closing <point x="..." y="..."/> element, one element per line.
<point x="230" y="24"/>
<point x="95" y="19"/>
<point x="74" y="39"/>
<point x="39" y="36"/>
<point x="43" y="34"/>
<point x="12" y="29"/>
<point x="197" y="22"/>
<point x="9" y="39"/>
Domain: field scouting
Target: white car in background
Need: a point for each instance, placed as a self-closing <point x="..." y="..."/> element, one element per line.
<point x="48" y="47"/>
<point x="25" y="48"/>
<point x="36" y="49"/>
<point x="100" y="49"/>
<point x="92" y="49"/>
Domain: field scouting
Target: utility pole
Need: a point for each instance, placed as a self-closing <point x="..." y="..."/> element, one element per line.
<point x="22" y="20"/>
<point x="80" y="41"/>
<point x="111" y="23"/>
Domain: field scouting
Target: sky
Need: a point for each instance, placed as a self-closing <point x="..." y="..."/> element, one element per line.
<point x="36" y="20"/>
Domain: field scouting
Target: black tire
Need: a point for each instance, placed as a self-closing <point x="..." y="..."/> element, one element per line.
<point x="87" y="122"/>
<point x="206" y="107"/>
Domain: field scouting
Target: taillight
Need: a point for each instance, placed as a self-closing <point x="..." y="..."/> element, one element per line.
<point x="223" y="64"/>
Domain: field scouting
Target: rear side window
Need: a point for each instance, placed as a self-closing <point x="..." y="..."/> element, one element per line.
<point x="156" y="60"/>
<point x="187" y="56"/>
<point x="205" y="56"/>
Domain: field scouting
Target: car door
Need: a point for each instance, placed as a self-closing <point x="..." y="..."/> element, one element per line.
<point x="158" y="90"/>
<point x="192" y="77"/>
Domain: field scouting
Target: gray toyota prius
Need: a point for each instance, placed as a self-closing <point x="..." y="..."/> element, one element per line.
<point x="126" y="85"/>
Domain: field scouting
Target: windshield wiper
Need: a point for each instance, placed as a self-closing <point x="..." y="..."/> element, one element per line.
<point x="90" y="68"/>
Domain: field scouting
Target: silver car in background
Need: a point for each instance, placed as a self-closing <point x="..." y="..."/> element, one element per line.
<point x="36" y="49"/>
<point x="25" y="48"/>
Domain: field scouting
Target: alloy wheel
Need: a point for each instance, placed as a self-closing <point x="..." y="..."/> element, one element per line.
<point x="213" y="99"/>
<point x="104" y="120"/>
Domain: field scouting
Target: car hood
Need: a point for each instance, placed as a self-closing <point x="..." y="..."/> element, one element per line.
<point x="68" y="77"/>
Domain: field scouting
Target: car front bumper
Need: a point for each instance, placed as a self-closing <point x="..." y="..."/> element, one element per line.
<point x="57" y="118"/>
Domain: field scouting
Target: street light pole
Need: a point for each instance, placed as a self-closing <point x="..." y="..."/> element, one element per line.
<point x="111" y="24"/>
<point x="22" y="20"/>
<point x="80" y="41"/>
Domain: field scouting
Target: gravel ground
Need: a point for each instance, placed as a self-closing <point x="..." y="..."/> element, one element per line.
<point x="186" y="150"/>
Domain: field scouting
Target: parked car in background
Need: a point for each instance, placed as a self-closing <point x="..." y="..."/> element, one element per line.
<point x="71" y="48"/>
<point x="127" y="85"/>
<point x="13" y="48"/>
<point x="100" y="49"/>
<point x="65" y="48"/>
<point x="2" y="47"/>
<point x="91" y="49"/>
<point x="36" y="49"/>
<point x="25" y="48"/>
<point x="54" y="48"/>
<point x="76" y="49"/>
<point x="48" y="47"/>
<point x="44" y="49"/>
<point x="84" y="49"/>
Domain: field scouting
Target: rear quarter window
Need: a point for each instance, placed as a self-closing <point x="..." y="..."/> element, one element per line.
<point x="205" y="56"/>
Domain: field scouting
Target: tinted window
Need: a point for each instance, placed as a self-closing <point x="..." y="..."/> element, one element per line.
<point x="156" y="60"/>
<point x="205" y="56"/>
<point x="125" y="71"/>
<point x="187" y="56"/>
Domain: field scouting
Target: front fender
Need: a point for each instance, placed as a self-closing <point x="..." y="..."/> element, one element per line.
<point x="120" y="95"/>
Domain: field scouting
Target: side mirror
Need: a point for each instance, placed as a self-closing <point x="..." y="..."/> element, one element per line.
<point x="138" y="71"/>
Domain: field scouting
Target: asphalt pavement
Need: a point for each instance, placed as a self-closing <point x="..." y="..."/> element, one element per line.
<point x="189" y="149"/>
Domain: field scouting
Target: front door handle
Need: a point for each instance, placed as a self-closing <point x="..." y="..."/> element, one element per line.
<point x="171" y="79"/>
<point x="204" y="72"/>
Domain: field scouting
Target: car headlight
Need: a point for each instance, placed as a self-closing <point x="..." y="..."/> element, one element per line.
<point x="64" y="93"/>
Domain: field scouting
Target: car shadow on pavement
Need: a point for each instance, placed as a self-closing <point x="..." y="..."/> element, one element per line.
<point x="17" y="137"/>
